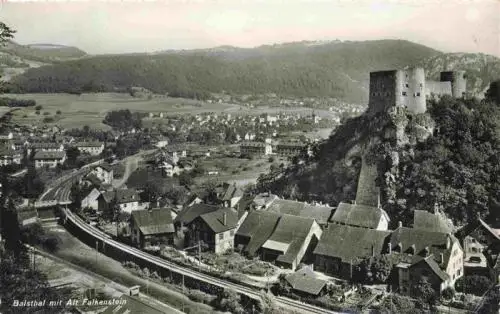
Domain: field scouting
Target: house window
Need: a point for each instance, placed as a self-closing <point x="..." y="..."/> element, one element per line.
<point x="404" y="93"/>
<point x="406" y="85"/>
<point x="221" y="236"/>
<point x="418" y="94"/>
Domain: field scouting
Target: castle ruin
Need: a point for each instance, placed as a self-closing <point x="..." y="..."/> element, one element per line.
<point x="409" y="89"/>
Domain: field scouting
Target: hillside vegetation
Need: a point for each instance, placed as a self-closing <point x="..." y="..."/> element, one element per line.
<point x="458" y="167"/>
<point x="338" y="69"/>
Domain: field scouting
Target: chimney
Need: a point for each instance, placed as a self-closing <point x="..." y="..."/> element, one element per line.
<point x="400" y="224"/>
<point x="436" y="208"/>
<point x="426" y="251"/>
<point x="413" y="249"/>
<point x="448" y="241"/>
<point x="224" y="218"/>
<point x="373" y="250"/>
<point x="389" y="248"/>
<point x="441" y="258"/>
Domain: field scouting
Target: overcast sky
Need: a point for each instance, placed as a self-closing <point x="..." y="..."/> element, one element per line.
<point x="147" y="26"/>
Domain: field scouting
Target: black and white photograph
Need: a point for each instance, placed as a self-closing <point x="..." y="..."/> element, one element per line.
<point x="250" y="156"/>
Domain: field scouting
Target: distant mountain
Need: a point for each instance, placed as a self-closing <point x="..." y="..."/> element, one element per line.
<point x="337" y="69"/>
<point x="15" y="59"/>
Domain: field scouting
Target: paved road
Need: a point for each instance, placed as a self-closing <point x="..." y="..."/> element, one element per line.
<point x="253" y="293"/>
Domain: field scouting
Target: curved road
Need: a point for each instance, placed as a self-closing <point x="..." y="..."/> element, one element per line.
<point x="105" y="238"/>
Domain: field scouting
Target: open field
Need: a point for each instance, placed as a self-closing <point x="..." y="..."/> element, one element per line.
<point x="90" y="109"/>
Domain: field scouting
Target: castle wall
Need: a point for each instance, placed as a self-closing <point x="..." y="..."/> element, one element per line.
<point x="458" y="81"/>
<point x="409" y="89"/>
<point x="413" y="90"/>
<point x="382" y="90"/>
<point x="437" y="88"/>
<point x="367" y="192"/>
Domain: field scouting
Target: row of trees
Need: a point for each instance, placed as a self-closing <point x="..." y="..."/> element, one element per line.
<point x="12" y="102"/>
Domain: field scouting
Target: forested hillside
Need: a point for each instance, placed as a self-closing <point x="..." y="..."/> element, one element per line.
<point x="337" y="69"/>
<point x="457" y="167"/>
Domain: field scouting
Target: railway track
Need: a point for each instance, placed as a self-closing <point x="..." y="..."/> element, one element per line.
<point x="159" y="262"/>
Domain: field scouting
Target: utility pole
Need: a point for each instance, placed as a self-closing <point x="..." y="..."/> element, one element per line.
<point x="183" y="292"/>
<point x="199" y="255"/>
<point x="96" y="250"/>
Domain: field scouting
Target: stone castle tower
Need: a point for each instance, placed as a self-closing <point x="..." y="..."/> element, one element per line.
<point x="409" y="89"/>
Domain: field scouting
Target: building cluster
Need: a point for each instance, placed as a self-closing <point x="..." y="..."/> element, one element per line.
<point x="46" y="150"/>
<point x="278" y="148"/>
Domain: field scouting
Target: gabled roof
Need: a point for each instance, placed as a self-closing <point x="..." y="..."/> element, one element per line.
<point x="215" y="219"/>
<point x="253" y="144"/>
<point x="154" y="221"/>
<point x="425" y="220"/>
<point x="188" y="214"/>
<point x="320" y="213"/>
<point x="258" y="226"/>
<point x="291" y="230"/>
<point x="305" y="280"/>
<point x="358" y="215"/>
<point x="88" y="144"/>
<point x="435" y="242"/>
<point x="494" y="232"/>
<point x="105" y="166"/>
<point x="122" y="196"/>
<point x="92" y="178"/>
<point x="49" y="155"/>
<point x="431" y="263"/>
<point x="348" y="242"/>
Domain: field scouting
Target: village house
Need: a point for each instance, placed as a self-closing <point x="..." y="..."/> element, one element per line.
<point x="305" y="283"/>
<point x="214" y="229"/>
<point x="255" y="149"/>
<point x="292" y="241"/>
<point x="254" y="231"/>
<point x="169" y="168"/>
<point x="104" y="172"/>
<point x="49" y="158"/>
<point x="320" y="213"/>
<point x="91" y="148"/>
<point x="175" y="152"/>
<point x="474" y="258"/>
<point x="128" y="200"/>
<point x="434" y="256"/>
<point x="361" y="216"/>
<point x="10" y="157"/>
<point x="290" y="149"/>
<point x="45" y="147"/>
<point x="341" y="246"/>
<point x="91" y="200"/>
<point x="27" y="216"/>
<point x="151" y="227"/>
<point x="435" y="221"/>
<point x="228" y="194"/>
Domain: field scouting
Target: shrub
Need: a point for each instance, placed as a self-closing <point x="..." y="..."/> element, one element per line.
<point x="46" y="113"/>
<point x="448" y="293"/>
<point x="474" y="284"/>
<point x="200" y="296"/>
<point x="38" y="107"/>
<point x="58" y="112"/>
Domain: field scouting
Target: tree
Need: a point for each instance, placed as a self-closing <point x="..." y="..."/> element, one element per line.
<point x="424" y="291"/>
<point x="229" y="301"/>
<point x="493" y="93"/>
<point x="6" y="33"/>
<point x="374" y="269"/>
<point x="72" y="154"/>
<point x="185" y="179"/>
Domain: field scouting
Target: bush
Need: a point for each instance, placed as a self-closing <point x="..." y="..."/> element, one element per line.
<point x="51" y="244"/>
<point x="448" y="293"/>
<point x="38" y="108"/>
<point x="474" y="284"/>
<point x="200" y="296"/>
<point x="58" y="112"/>
<point x="48" y="120"/>
<point x="37" y="112"/>
<point x="46" y="113"/>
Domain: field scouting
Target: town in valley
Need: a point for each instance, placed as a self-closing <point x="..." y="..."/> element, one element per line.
<point x="372" y="189"/>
